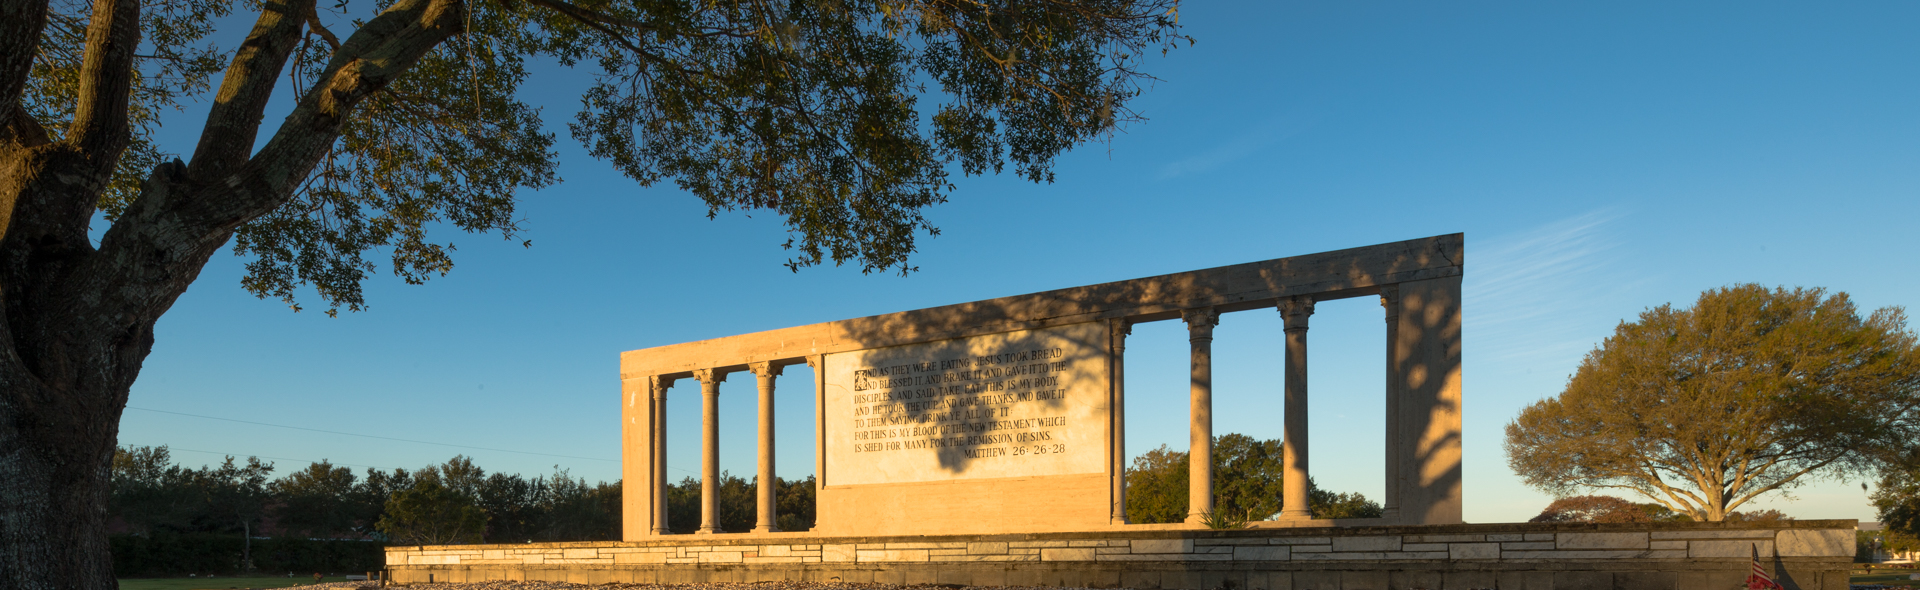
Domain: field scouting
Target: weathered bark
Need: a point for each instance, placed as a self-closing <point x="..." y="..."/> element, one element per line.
<point x="78" y="321"/>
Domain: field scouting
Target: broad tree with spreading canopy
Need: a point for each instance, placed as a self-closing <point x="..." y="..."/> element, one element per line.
<point x="842" y="117"/>
<point x="1751" y="391"/>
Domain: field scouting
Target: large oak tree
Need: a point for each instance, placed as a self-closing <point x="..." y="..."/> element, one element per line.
<point x="1750" y="391"/>
<point x="406" y="117"/>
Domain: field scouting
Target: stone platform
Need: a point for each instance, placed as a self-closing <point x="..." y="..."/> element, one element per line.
<point x="1667" y="556"/>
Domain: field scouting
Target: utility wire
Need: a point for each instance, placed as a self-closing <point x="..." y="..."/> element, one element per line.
<point x="365" y="435"/>
<point x="174" y="448"/>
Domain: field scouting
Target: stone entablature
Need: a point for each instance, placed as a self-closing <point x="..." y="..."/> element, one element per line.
<point x="1811" y="550"/>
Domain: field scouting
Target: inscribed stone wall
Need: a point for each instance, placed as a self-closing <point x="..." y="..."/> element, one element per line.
<point x="1019" y="404"/>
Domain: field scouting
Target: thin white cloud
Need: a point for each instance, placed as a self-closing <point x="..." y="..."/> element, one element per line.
<point x="1245" y="144"/>
<point x="1531" y="295"/>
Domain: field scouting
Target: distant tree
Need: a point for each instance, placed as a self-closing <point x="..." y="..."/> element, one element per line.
<point x="1327" y="504"/>
<point x="1897" y="499"/>
<point x="151" y="494"/>
<point x="234" y="498"/>
<point x="795" y="504"/>
<point x="316" y="502"/>
<point x="1157" y="487"/>
<point x="1247" y="477"/>
<point x="370" y="498"/>
<point x="515" y="506"/>
<point x="579" y="512"/>
<point x="1248" y="480"/>
<point x="1600" y="508"/>
<point x="1748" y="392"/>
<point x="430" y="514"/>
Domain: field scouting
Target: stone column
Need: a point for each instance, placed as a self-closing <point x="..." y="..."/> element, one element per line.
<point x="767" y="520"/>
<point x="1118" y="329"/>
<point x="1200" y="323"/>
<point x="819" y="365"/>
<point x="1295" y="501"/>
<point x="1390" y="299"/>
<point x="709" y="449"/>
<point x="659" y="444"/>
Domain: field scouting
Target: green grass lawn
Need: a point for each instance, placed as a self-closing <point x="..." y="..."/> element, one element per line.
<point x="222" y="583"/>
<point x="1894" y="577"/>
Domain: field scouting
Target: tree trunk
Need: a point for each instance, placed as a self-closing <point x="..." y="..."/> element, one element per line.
<point x="53" y="497"/>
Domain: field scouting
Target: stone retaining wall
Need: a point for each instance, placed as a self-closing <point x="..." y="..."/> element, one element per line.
<point x="1687" y="556"/>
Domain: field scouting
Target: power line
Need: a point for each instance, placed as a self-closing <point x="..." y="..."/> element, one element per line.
<point x="366" y="435"/>
<point x="173" y="448"/>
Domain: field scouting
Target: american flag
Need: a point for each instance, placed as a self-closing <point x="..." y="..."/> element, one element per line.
<point x="1759" y="579"/>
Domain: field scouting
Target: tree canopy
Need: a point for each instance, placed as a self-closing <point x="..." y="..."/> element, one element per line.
<point x="1750" y="391"/>
<point x="843" y="118"/>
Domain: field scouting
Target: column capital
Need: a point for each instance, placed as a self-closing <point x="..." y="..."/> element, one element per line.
<point x="1118" y="329"/>
<point x="1295" y="311"/>
<point x="765" y="369"/>
<point x="709" y="377"/>
<point x="658" y="386"/>
<point x="1200" y="321"/>
<point x="814" y="361"/>
<point x="1390" y="299"/>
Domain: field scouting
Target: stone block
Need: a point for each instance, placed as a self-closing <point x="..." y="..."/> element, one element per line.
<point x="1540" y="536"/>
<point x="1414" y="579"/>
<point x="1473" y="551"/>
<point x="1301" y="540"/>
<point x="983" y="558"/>
<point x="1311" y="548"/>
<point x="836" y="553"/>
<point x="1092" y="543"/>
<point x="1739" y="548"/>
<point x="1162" y="545"/>
<point x="1601" y="541"/>
<point x="1067" y="554"/>
<point x="1416" y="555"/>
<point x="1716" y="534"/>
<point x="587" y="553"/>
<point x="1140" y="579"/>
<point x="1505" y="537"/>
<point x="1347" y="556"/>
<point x="864" y="555"/>
<point x="721" y="557"/>
<point x="640" y="558"/>
<point x="1316" y="580"/>
<point x="1680" y="545"/>
<point x="1037" y="544"/>
<point x="1815" y="543"/>
<point x="1445" y="538"/>
<point x="1648" y="580"/>
<point x="1583" y="581"/>
<point x="1523" y="580"/>
<point x="1533" y="546"/>
<point x="1261" y="553"/>
<point x="1107" y="550"/>
<point x="1374" y="543"/>
<point x="1423" y="546"/>
<point x="913" y="546"/>
<point x="776" y="550"/>
<point x="1364" y="580"/>
<point x="987" y="548"/>
<point x="770" y="560"/>
<point x="1468" y="580"/>
<point x="1214" y="549"/>
<point x="1231" y="541"/>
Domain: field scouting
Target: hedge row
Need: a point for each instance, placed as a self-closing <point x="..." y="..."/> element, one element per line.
<point x="136" y="556"/>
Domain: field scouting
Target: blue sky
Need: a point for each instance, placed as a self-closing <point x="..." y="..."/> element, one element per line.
<point x="1600" y="159"/>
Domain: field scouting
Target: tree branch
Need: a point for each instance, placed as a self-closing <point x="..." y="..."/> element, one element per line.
<point x="227" y="139"/>
<point x="99" y="126"/>
<point x="21" y="24"/>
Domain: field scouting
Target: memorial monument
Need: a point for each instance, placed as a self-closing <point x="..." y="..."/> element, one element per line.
<point x="984" y="443"/>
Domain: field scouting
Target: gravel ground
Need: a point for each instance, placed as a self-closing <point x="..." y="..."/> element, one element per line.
<point x="714" y="586"/>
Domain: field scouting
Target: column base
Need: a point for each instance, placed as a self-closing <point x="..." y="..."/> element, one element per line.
<point x="708" y="531"/>
<point x="1296" y="515"/>
<point x="662" y="532"/>
<point x="766" y="529"/>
